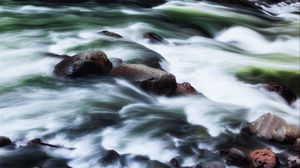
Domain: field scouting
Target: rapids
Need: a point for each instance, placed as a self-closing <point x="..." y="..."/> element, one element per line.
<point x="209" y="44"/>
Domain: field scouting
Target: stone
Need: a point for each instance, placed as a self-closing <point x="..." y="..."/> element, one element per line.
<point x="236" y="157"/>
<point x="83" y="65"/>
<point x="4" y="141"/>
<point x="110" y="34"/>
<point x="281" y="90"/>
<point x="149" y="79"/>
<point x="211" y="164"/>
<point x="109" y="157"/>
<point x="186" y="89"/>
<point x="272" y="127"/>
<point x="262" y="158"/>
<point x="154" y="38"/>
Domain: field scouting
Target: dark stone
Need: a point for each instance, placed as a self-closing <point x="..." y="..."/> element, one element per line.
<point x="236" y="157"/>
<point x="38" y="141"/>
<point x="211" y="164"/>
<point x="84" y="64"/>
<point x="154" y="38"/>
<point x="4" y="141"/>
<point x="175" y="163"/>
<point x="111" y="34"/>
<point x="262" y="158"/>
<point x="110" y="157"/>
<point x="48" y="54"/>
<point x="156" y="164"/>
<point x="149" y="79"/>
<point x="185" y="89"/>
<point x="24" y="157"/>
<point x="282" y="90"/>
<point x="55" y="163"/>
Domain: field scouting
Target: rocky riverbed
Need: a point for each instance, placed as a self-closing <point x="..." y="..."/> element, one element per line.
<point x="149" y="84"/>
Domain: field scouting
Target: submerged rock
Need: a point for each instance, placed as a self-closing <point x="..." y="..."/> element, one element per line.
<point x="271" y="127"/>
<point x="111" y="34"/>
<point x="262" y="158"/>
<point x="147" y="78"/>
<point x="156" y="164"/>
<point x="154" y="38"/>
<point x="110" y="157"/>
<point x="236" y="157"/>
<point x="185" y="89"/>
<point x="4" y="141"/>
<point x="38" y="141"/>
<point x="23" y="157"/>
<point x="212" y="164"/>
<point x="55" y="163"/>
<point x="282" y="90"/>
<point x="84" y="64"/>
<point x="294" y="161"/>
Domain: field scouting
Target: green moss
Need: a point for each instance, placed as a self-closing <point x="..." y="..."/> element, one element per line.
<point x="256" y="75"/>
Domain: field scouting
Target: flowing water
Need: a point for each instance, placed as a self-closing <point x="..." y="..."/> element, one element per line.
<point x="209" y="44"/>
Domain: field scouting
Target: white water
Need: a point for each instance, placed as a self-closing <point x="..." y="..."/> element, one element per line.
<point x="33" y="112"/>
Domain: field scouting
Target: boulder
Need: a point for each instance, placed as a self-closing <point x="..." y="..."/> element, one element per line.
<point x="236" y="157"/>
<point x="84" y="64"/>
<point x="185" y="89"/>
<point x="262" y="158"/>
<point x="154" y="38"/>
<point x="281" y="90"/>
<point x="4" y="141"/>
<point x="272" y="127"/>
<point x="149" y="79"/>
<point x="110" y="34"/>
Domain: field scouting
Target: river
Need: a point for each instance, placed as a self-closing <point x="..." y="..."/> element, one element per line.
<point x="208" y="45"/>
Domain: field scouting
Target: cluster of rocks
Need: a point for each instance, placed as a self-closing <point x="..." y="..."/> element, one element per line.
<point x="153" y="80"/>
<point x="271" y="128"/>
<point x="160" y="82"/>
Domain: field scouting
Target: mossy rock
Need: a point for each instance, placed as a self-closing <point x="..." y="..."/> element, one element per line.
<point x="254" y="75"/>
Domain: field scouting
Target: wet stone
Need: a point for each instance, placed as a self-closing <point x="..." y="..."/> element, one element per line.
<point x="4" y="141"/>
<point x="110" y="34"/>
<point x="262" y="158"/>
<point x="83" y="65"/>
<point x="236" y="157"/>
<point x="154" y="38"/>
<point x="272" y="127"/>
